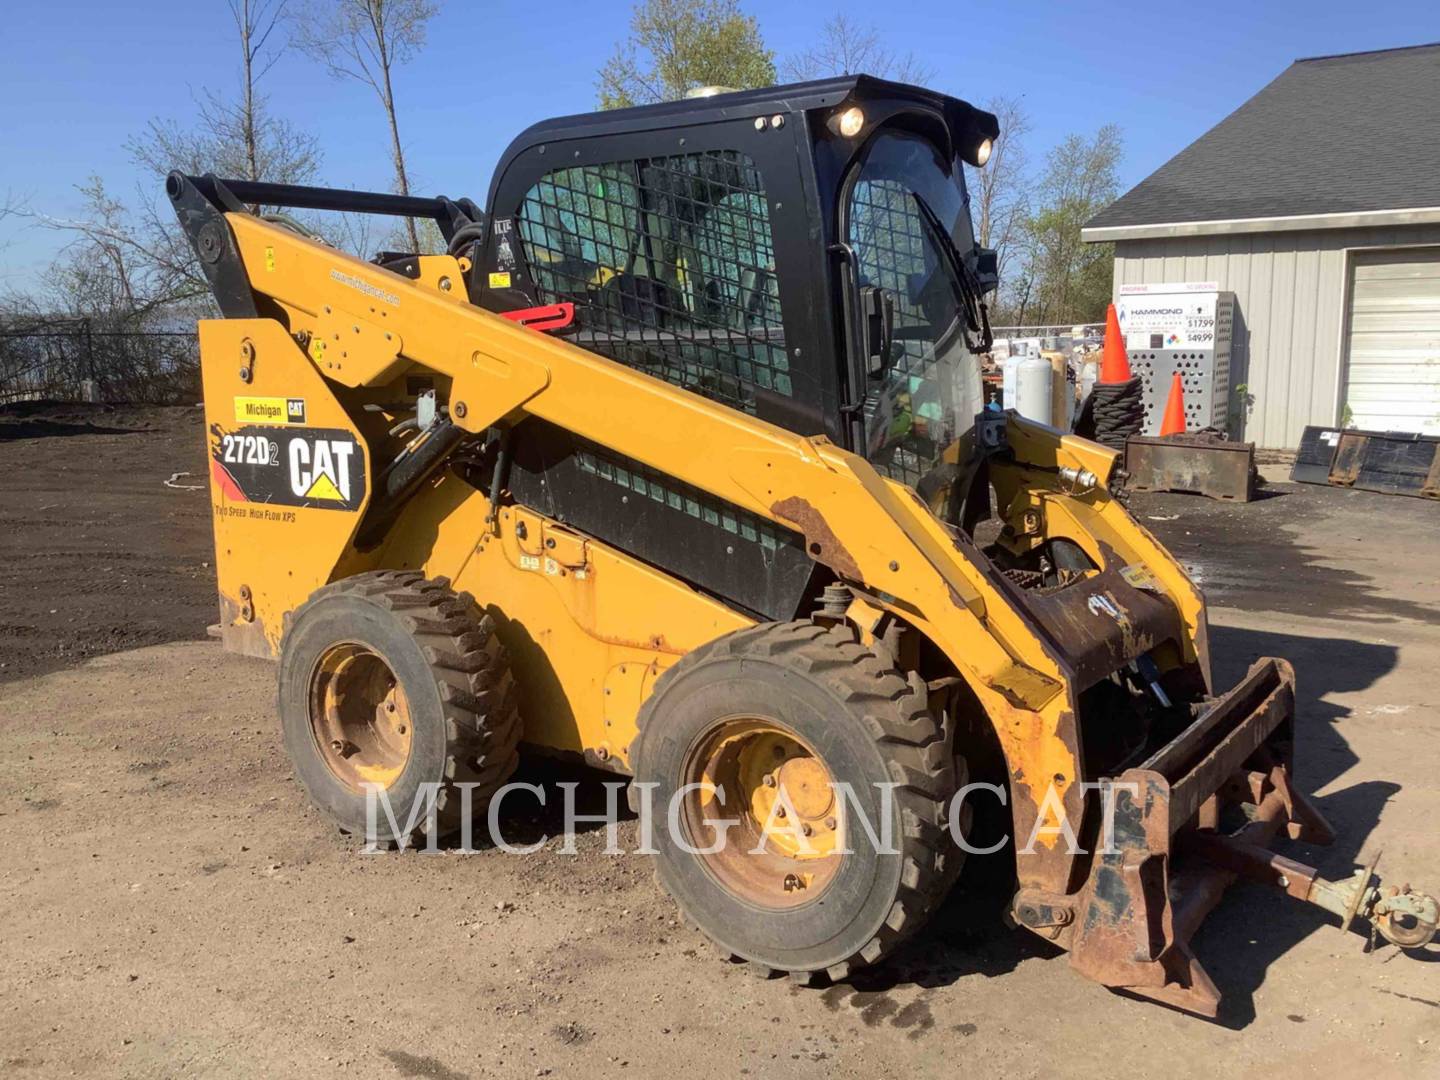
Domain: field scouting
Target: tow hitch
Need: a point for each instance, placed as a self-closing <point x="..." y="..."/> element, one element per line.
<point x="1395" y="912"/>
<point x="1168" y="862"/>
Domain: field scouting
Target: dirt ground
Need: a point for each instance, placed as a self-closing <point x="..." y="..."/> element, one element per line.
<point x="170" y="905"/>
<point x="97" y="554"/>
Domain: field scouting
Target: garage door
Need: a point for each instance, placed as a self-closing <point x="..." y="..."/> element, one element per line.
<point x="1393" y="381"/>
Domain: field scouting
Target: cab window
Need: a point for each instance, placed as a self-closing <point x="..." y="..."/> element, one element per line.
<point x="670" y="262"/>
<point x="931" y="392"/>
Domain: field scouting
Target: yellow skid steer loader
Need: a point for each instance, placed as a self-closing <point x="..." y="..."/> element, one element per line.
<point x="677" y="461"/>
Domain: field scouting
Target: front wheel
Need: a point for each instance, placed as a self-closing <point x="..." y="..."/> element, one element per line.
<point x="767" y="747"/>
<point x="390" y="680"/>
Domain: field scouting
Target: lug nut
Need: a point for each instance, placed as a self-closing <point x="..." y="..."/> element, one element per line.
<point x="769" y="780"/>
<point x="830" y="823"/>
<point x="805" y="829"/>
<point x="780" y="813"/>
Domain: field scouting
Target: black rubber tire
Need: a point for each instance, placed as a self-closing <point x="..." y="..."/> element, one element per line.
<point x="455" y="673"/>
<point x="869" y="724"/>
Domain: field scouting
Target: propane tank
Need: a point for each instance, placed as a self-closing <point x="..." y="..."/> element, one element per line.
<point x="1089" y="376"/>
<point x="1034" y="386"/>
<point x="1009" y="386"/>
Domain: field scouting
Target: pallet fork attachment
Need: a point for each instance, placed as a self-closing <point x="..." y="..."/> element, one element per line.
<point x="1168" y="862"/>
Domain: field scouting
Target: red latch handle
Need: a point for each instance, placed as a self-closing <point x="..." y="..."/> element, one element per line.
<point x="547" y="317"/>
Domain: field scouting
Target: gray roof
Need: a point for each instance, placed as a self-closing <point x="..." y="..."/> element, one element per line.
<point x="1333" y="134"/>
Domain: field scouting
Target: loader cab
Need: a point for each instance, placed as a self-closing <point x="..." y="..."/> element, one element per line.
<point x="801" y="253"/>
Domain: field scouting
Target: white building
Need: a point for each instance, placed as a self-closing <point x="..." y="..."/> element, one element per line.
<point x="1317" y="203"/>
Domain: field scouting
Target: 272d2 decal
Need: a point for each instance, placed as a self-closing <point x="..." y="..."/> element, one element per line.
<point x="323" y="468"/>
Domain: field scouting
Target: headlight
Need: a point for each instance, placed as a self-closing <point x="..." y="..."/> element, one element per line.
<point x="849" y="122"/>
<point x="982" y="152"/>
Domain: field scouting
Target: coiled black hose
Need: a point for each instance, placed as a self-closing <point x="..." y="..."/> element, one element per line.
<point x="1112" y="413"/>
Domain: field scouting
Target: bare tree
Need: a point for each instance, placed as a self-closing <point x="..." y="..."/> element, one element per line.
<point x="255" y="22"/>
<point x="366" y="40"/>
<point x="678" y="45"/>
<point x="999" y="193"/>
<point x="240" y="137"/>
<point x="846" y="48"/>
<point x="132" y="265"/>
<point x="11" y="206"/>
<point x="145" y="260"/>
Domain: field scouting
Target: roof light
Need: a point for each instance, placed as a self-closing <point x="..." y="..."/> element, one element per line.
<point x="849" y="122"/>
<point x="982" y="152"/>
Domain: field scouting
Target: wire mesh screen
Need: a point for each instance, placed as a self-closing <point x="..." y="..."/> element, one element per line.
<point x="700" y="505"/>
<point x="670" y="262"/>
<point x="891" y="250"/>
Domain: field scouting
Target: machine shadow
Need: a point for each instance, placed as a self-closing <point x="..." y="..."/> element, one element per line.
<point x="1253" y="926"/>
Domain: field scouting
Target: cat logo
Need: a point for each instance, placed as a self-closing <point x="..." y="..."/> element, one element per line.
<point x="316" y="468"/>
<point x="320" y="469"/>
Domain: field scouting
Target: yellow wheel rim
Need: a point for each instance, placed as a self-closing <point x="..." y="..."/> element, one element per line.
<point x="359" y="717"/>
<point x="785" y="846"/>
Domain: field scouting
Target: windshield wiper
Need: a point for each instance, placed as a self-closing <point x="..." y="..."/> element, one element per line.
<point x="964" y="282"/>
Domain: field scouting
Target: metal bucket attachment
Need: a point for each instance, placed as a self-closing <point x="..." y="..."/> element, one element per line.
<point x="1199" y="464"/>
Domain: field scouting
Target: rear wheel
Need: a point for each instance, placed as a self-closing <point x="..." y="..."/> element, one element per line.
<point x="389" y="679"/>
<point x="792" y="732"/>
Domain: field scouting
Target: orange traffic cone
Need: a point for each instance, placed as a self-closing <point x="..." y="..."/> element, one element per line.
<point x="1174" y="421"/>
<point x="1114" y="363"/>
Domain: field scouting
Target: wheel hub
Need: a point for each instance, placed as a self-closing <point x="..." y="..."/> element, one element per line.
<point x="784" y="847"/>
<point x="359" y="716"/>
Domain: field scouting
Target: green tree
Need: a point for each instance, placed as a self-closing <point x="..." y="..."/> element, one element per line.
<point x="678" y="45"/>
<point x="1065" y="279"/>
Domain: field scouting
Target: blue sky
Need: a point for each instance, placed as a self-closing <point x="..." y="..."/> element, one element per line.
<point x="79" y="78"/>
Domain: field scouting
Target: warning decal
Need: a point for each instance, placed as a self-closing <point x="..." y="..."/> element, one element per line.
<point x="322" y="468"/>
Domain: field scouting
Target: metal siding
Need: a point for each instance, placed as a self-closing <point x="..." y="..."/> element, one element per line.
<point x="1290" y="295"/>
<point x="1331" y="317"/>
<point x="1282" y="292"/>
<point x="1257" y="326"/>
<point x="1302" y="326"/>
<point x="1235" y="270"/>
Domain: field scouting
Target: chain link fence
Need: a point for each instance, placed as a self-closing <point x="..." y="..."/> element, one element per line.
<point x="93" y="360"/>
<point x="1061" y="337"/>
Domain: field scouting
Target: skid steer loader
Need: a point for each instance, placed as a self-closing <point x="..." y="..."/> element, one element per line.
<point x="676" y="461"/>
